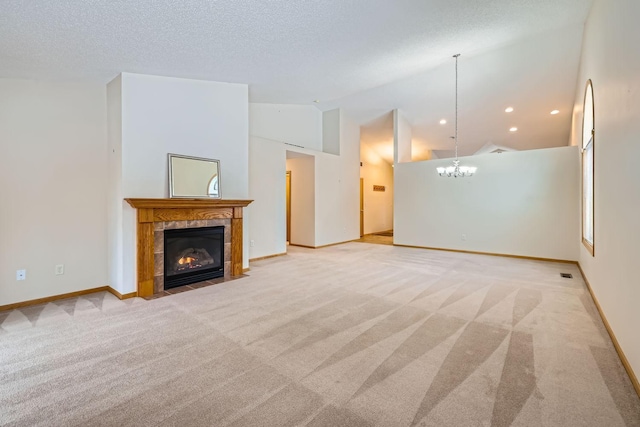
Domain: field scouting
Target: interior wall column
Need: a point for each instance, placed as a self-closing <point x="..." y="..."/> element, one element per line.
<point x="401" y="138"/>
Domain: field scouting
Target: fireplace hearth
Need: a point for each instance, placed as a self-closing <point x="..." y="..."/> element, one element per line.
<point x="193" y="255"/>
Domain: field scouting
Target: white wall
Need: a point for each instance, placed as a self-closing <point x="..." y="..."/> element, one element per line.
<point x="115" y="202"/>
<point x="378" y="206"/>
<point x="267" y="188"/>
<point x="299" y="125"/>
<point x="302" y="200"/>
<point x="402" y="135"/>
<point x="519" y="203"/>
<point x="53" y="182"/>
<point x="193" y="117"/>
<point x="336" y="203"/>
<point x="338" y="188"/>
<point x="273" y="129"/>
<point x="611" y="59"/>
<point x="163" y="115"/>
<point x="331" y="131"/>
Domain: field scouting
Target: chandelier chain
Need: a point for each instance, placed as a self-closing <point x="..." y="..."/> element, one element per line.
<point x="455" y="138"/>
<point x="456" y="170"/>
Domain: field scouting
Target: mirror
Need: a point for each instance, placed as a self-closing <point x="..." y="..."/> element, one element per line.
<point x="193" y="177"/>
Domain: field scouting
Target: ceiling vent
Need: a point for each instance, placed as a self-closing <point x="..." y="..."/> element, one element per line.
<point x="491" y="148"/>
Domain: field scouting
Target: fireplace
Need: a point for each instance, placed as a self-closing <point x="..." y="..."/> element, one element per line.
<point x="193" y="255"/>
<point x="154" y="216"/>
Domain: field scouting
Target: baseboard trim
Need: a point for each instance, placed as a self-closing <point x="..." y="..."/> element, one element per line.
<point x="623" y="357"/>
<point x="244" y="270"/>
<point x="54" y="298"/>
<point x="121" y="296"/>
<point x="324" y="246"/>
<point x="566" y="261"/>
<point x="266" y="257"/>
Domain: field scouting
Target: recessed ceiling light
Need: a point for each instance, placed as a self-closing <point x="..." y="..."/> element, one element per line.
<point x="554" y="112"/>
<point x="443" y="122"/>
<point x="513" y="129"/>
<point x="508" y="110"/>
<point x="317" y="101"/>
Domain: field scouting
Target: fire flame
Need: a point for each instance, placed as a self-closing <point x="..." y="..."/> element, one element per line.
<point x="186" y="260"/>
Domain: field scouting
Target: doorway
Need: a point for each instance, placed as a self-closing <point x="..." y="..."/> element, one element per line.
<point x="300" y="199"/>
<point x="376" y="198"/>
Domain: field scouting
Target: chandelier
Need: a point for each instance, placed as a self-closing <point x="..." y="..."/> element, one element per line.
<point x="456" y="170"/>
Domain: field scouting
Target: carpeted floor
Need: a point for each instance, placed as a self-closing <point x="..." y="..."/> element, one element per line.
<point x="350" y="335"/>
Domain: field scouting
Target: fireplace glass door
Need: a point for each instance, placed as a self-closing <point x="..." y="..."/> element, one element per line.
<point x="193" y="255"/>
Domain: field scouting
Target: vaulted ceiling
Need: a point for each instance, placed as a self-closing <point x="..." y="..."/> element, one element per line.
<point x="366" y="57"/>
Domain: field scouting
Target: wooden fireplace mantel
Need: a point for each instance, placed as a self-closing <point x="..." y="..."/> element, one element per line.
<point x="151" y="211"/>
<point x="187" y="203"/>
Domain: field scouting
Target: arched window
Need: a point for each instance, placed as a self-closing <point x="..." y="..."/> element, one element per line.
<point x="588" y="163"/>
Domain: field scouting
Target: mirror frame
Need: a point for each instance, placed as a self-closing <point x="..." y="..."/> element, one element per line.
<point x="171" y="156"/>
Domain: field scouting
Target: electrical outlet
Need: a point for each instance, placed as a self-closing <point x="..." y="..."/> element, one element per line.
<point x="21" y="274"/>
<point x="464" y="237"/>
<point x="59" y="269"/>
<point x="252" y="243"/>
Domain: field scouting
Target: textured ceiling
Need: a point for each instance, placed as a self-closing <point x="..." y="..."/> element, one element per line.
<point x="534" y="75"/>
<point x="293" y="51"/>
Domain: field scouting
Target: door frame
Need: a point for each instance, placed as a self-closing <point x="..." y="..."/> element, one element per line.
<point x="361" y="207"/>
<point x="288" y="204"/>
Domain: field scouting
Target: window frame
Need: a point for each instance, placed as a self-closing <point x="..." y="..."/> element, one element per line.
<point x="588" y="144"/>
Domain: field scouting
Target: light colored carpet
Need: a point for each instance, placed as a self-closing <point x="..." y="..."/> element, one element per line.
<point x="350" y="335"/>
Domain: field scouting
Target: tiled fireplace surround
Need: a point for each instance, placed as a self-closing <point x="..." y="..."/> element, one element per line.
<point x="156" y="215"/>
